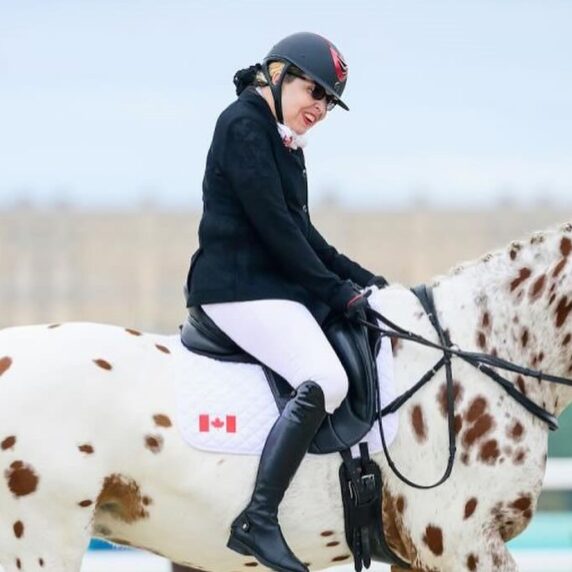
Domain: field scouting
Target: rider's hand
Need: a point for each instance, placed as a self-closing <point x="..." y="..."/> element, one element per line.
<point x="378" y="281"/>
<point x="357" y="302"/>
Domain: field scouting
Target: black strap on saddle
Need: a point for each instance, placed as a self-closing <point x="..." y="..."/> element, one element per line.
<point x="362" y="487"/>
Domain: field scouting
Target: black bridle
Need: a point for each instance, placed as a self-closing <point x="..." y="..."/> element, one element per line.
<point x="481" y="361"/>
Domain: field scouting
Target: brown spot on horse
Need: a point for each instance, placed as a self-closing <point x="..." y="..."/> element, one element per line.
<point x="86" y="448"/>
<point x="22" y="479"/>
<point x="476" y="409"/>
<point x="121" y="497"/>
<point x="472" y="562"/>
<point x="8" y="443"/>
<point x="516" y="431"/>
<point x="522" y="503"/>
<point x="566" y="340"/>
<point x="163" y="349"/>
<point x="538" y="287"/>
<point x="481" y="340"/>
<point x="559" y="267"/>
<point x="524" y="338"/>
<point x="515" y="247"/>
<point x="5" y="363"/>
<point x="442" y="396"/>
<point x="162" y="420"/>
<point x="327" y="533"/>
<point x="102" y="364"/>
<point x="489" y="452"/>
<point x="332" y="544"/>
<point x="154" y="443"/>
<point x="479" y="429"/>
<point x="520" y="384"/>
<point x="133" y="332"/>
<point x="433" y="538"/>
<point x="523" y="275"/>
<point x="85" y="503"/>
<point x="19" y="529"/>
<point x="562" y="311"/>
<point x="340" y="558"/>
<point x="396" y="345"/>
<point x="470" y="507"/>
<point x="565" y="246"/>
<point x="418" y="423"/>
<point x="486" y="321"/>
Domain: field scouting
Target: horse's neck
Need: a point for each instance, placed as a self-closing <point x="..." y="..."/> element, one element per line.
<point x="517" y="304"/>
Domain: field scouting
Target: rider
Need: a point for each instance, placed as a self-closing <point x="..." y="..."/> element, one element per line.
<point x="264" y="274"/>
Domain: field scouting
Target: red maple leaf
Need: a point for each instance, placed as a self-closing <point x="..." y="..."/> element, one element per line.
<point x="217" y="423"/>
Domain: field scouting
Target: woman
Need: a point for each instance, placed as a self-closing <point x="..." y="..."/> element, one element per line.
<point x="264" y="274"/>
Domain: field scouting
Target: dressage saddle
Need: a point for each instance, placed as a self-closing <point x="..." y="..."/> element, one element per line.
<point x="356" y="347"/>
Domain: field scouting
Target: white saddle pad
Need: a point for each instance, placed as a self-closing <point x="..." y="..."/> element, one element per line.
<point x="228" y="407"/>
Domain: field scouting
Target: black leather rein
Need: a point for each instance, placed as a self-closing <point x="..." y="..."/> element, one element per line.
<point x="481" y="361"/>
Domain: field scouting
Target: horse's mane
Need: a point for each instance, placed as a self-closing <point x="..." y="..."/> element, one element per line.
<point x="512" y="249"/>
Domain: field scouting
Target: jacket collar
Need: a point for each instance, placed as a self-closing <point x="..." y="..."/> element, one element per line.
<point x="289" y="139"/>
<point x="251" y="96"/>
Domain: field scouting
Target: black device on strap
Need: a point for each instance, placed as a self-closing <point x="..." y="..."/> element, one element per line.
<point x="362" y="487"/>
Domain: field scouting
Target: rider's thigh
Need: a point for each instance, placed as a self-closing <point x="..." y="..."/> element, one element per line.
<point x="284" y="335"/>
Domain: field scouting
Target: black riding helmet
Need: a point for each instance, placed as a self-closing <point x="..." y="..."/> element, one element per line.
<point x="317" y="57"/>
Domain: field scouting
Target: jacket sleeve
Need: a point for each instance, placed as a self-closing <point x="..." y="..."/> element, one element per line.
<point x="249" y="164"/>
<point x="343" y="266"/>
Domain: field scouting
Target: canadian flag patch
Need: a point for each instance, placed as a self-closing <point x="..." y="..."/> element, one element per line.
<point x="208" y="422"/>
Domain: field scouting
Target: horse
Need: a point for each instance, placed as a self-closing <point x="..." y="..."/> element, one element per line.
<point x="89" y="446"/>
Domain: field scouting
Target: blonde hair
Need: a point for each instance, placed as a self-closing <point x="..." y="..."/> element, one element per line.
<point x="273" y="68"/>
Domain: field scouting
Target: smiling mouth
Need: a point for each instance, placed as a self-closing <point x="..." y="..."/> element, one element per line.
<point x="309" y="120"/>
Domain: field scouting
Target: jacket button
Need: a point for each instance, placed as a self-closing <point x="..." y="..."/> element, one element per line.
<point x="305" y="208"/>
<point x="304" y="172"/>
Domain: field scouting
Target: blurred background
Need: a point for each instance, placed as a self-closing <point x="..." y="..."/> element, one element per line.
<point x="459" y="140"/>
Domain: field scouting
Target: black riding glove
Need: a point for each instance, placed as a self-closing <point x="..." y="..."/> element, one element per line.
<point x="378" y="281"/>
<point x="357" y="303"/>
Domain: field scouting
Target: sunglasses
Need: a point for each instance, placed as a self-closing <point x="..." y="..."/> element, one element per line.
<point x="318" y="92"/>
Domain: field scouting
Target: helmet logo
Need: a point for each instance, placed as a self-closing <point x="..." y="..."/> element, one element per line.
<point x="339" y="64"/>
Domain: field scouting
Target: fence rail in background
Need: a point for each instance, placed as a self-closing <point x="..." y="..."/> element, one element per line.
<point x="558" y="475"/>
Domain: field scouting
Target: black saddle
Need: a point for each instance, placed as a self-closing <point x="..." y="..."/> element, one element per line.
<point x="356" y="347"/>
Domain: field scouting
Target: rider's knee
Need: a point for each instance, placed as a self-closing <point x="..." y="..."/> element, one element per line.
<point x="334" y="384"/>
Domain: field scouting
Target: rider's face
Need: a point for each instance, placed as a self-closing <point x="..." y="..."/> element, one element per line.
<point x="300" y="109"/>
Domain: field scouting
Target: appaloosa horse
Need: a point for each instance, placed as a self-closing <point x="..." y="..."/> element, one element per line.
<point x="88" y="445"/>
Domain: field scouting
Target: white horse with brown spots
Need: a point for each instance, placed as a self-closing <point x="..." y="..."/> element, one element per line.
<point x="88" y="445"/>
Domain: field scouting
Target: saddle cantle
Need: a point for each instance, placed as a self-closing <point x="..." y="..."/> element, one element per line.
<point x="356" y="348"/>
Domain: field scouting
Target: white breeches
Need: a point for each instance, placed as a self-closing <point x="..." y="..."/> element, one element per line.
<point x="284" y="335"/>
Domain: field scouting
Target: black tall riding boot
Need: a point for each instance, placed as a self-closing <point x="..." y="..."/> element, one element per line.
<point x="256" y="530"/>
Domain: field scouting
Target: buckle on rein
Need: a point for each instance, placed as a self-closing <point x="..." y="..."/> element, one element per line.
<point x="361" y="487"/>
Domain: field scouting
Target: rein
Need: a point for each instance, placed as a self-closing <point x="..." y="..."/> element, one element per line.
<point x="481" y="361"/>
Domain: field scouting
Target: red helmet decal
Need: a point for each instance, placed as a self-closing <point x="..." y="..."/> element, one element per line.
<point x="339" y="64"/>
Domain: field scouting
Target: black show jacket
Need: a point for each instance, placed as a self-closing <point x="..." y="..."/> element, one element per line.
<point x="256" y="240"/>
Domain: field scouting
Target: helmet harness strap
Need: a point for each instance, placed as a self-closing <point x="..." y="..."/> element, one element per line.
<point x="276" y="88"/>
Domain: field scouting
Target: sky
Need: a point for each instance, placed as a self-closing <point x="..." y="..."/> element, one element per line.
<point x="452" y="104"/>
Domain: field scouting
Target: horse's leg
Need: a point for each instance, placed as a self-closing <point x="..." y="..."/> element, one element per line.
<point x="39" y="543"/>
<point x="47" y="508"/>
